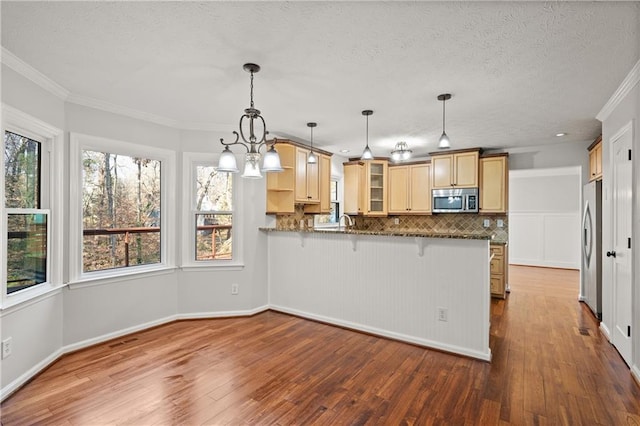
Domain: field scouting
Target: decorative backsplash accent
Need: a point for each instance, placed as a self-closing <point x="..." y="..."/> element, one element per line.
<point x="460" y="223"/>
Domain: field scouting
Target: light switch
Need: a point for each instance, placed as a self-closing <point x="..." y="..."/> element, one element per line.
<point x="486" y="223"/>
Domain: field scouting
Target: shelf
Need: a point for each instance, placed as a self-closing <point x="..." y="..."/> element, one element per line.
<point x="280" y="189"/>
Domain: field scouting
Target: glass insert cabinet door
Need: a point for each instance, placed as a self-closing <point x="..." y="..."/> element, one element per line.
<point x="377" y="190"/>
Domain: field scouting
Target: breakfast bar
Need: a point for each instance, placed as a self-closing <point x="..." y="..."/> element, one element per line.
<point x="429" y="289"/>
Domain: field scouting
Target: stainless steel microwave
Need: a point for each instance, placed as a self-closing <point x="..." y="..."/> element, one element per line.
<point x="455" y="200"/>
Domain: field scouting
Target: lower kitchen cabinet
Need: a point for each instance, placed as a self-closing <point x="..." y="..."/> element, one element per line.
<point x="499" y="270"/>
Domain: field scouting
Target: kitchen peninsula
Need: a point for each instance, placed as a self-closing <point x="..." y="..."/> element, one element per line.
<point x="430" y="289"/>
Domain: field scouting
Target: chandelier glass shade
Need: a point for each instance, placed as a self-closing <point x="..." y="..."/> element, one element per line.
<point x="250" y="120"/>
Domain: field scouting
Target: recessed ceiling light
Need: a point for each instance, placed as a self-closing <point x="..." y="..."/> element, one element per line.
<point x="561" y="134"/>
<point x="344" y="151"/>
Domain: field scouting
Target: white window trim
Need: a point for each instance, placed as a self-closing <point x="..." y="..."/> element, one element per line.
<point x="337" y="200"/>
<point x="80" y="142"/>
<point x="190" y="160"/>
<point x="52" y="138"/>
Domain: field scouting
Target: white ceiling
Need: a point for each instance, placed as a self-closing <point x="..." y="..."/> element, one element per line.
<point x="519" y="72"/>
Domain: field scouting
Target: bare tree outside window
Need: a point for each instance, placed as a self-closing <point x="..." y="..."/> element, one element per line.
<point x="214" y="214"/>
<point x="120" y="211"/>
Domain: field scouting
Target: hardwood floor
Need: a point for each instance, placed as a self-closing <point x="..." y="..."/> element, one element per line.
<point x="551" y="366"/>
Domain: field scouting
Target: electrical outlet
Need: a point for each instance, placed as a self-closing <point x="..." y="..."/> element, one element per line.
<point x="442" y="314"/>
<point x="500" y="223"/>
<point x="7" y="347"/>
<point x="396" y="221"/>
<point x="234" y="288"/>
<point x="486" y="223"/>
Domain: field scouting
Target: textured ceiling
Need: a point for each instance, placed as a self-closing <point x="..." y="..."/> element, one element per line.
<point x="519" y="72"/>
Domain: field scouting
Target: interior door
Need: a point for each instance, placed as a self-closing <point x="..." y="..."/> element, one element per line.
<point x="621" y="254"/>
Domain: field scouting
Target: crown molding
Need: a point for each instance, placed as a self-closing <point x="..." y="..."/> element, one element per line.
<point x="627" y="85"/>
<point x="29" y="72"/>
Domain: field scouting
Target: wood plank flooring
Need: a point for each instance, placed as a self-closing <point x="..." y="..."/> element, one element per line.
<point x="551" y="366"/>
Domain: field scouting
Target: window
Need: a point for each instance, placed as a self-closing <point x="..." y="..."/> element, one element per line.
<point x="119" y="217"/>
<point x="213" y="214"/>
<point x="211" y="234"/>
<point x="120" y="211"/>
<point x="27" y="223"/>
<point x="330" y="219"/>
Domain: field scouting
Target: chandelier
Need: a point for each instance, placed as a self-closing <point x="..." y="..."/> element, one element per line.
<point x="251" y="117"/>
<point x="401" y="152"/>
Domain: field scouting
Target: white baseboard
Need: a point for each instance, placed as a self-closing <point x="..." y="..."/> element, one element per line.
<point x="485" y="356"/>
<point x="29" y="374"/>
<point x="33" y="371"/>
<point x="605" y="330"/>
<point x="222" y="314"/>
<point x="635" y="372"/>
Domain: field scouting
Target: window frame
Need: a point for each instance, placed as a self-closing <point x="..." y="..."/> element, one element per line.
<point x="81" y="142"/>
<point x="330" y="225"/>
<point x="51" y="202"/>
<point x="190" y="162"/>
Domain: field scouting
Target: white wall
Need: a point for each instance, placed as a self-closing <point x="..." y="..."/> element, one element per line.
<point x="385" y="287"/>
<point x="626" y="108"/>
<point x="544" y="217"/>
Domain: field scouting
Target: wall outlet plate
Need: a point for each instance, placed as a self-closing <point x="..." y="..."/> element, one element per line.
<point x="500" y="223"/>
<point x="396" y="221"/>
<point x="486" y="223"/>
<point x="442" y="314"/>
<point x="7" y="347"/>
<point x="235" y="288"/>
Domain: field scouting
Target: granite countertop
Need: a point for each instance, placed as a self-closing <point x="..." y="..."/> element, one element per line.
<point x="398" y="233"/>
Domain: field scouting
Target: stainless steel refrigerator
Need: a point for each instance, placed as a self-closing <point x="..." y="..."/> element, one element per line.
<point x="592" y="246"/>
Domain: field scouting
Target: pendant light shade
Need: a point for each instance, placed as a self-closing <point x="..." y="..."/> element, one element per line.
<point x="252" y="166"/>
<point x="227" y="162"/>
<point x="312" y="158"/>
<point x="271" y="162"/>
<point x="367" y="154"/>
<point x="444" y="142"/>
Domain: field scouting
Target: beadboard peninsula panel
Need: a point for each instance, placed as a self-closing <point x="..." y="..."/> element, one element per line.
<point x="382" y="285"/>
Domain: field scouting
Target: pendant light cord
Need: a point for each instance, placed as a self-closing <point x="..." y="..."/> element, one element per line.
<point x="443" y="114"/>
<point x="367" y="131"/>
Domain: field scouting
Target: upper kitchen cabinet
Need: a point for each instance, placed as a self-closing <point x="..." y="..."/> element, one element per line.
<point x="324" y="170"/>
<point x="595" y="159"/>
<point x="494" y="181"/>
<point x="307" y="179"/>
<point x="457" y="169"/>
<point x="410" y="189"/>
<point x="365" y="187"/>
<point x="299" y="183"/>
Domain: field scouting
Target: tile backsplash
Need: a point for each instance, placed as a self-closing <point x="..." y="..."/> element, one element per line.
<point x="462" y="223"/>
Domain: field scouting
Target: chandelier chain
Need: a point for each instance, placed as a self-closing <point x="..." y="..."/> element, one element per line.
<point x="251" y="85"/>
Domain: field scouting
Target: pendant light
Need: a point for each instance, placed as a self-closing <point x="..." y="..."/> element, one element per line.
<point x="367" y="154"/>
<point x="227" y="160"/>
<point x="313" y="158"/>
<point x="444" y="142"/>
<point x="401" y="152"/>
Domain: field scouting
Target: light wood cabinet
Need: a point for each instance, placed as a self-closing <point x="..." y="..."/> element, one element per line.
<point x="324" y="206"/>
<point x="299" y="183"/>
<point x="494" y="184"/>
<point x="410" y="189"/>
<point x="595" y="159"/>
<point x="307" y="178"/>
<point x="455" y="169"/>
<point x="365" y="187"/>
<point x="499" y="270"/>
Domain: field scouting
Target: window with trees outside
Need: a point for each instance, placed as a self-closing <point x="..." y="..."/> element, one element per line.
<point x="121" y="208"/>
<point x="213" y="215"/>
<point x="27" y="260"/>
<point x="331" y="218"/>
